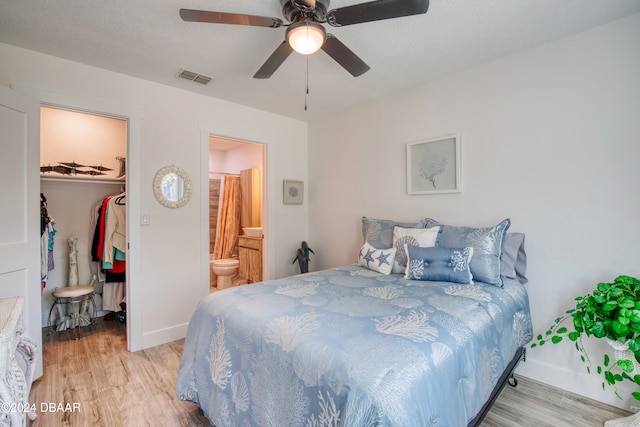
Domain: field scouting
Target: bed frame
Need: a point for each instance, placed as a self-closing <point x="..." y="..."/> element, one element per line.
<point x="506" y="377"/>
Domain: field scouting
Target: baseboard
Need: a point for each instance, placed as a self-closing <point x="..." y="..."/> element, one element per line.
<point x="163" y="336"/>
<point x="581" y="383"/>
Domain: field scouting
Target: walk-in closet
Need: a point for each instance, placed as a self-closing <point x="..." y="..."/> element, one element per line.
<point x="83" y="208"/>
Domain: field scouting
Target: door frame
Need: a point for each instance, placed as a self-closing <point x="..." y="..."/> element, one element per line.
<point x="134" y="118"/>
<point x="250" y="136"/>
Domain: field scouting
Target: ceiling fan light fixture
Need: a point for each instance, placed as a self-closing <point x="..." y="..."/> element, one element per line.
<point x="306" y="37"/>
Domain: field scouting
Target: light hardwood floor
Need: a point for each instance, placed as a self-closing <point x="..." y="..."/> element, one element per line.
<point x="116" y="388"/>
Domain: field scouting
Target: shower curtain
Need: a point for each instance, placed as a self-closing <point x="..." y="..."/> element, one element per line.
<point x="228" y="218"/>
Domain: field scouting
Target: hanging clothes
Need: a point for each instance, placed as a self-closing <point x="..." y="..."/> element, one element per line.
<point x="47" y="233"/>
<point x="108" y="249"/>
<point x="113" y="294"/>
<point x="44" y="214"/>
<point x="115" y="237"/>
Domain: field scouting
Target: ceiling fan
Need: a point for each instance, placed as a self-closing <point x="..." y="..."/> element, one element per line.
<point x="306" y="35"/>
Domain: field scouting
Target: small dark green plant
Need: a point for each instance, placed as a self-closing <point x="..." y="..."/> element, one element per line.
<point x="611" y="311"/>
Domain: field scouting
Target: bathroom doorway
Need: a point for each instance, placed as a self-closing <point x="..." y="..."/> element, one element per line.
<point x="236" y="212"/>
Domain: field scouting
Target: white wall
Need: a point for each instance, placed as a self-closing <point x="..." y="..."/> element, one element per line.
<point x="172" y="251"/>
<point x="216" y="162"/>
<point x="550" y="138"/>
<point x="87" y="139"/>
<point x="244" y="157"/>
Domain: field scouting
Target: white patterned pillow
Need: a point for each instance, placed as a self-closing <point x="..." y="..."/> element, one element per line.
<point x="423" y="237"/>
<point x="380" y="260"/>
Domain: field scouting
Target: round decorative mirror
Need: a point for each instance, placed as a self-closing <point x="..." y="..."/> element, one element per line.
<point x="172" y="187"/>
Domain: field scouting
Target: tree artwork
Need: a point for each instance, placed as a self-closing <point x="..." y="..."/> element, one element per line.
<point x="433" y="166"/>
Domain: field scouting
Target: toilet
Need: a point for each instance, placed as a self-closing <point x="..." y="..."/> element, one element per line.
<point x="226" y="270"/>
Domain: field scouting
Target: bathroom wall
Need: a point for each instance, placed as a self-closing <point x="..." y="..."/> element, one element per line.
<point x="233" y="158"/>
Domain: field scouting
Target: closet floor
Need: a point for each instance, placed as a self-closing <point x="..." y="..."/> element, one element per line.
<point x="116" y="388"/>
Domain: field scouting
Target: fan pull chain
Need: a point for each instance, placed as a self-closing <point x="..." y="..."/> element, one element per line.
<point x="306" y="75"/>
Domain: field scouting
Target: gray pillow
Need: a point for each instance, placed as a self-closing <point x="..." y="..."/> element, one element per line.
<point x="514" y="258"/>
<point x="379" y="232"/>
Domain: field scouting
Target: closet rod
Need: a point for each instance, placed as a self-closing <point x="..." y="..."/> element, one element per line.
<point x="83" y="180"/>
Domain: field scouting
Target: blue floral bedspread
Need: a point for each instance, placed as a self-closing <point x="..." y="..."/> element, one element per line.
<point x="350" y="347"/>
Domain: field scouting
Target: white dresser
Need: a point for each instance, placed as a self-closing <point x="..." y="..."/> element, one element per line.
<point x="15" y="384"/>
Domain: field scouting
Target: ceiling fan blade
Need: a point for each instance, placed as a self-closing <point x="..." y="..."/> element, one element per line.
<point x="276" y="59"/>
<point x="344" y="56"/>
<point x="376" y="11"/>
<point x="229" y="18"/>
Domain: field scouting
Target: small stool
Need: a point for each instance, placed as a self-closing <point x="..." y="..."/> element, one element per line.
<point x="77" y="296"/>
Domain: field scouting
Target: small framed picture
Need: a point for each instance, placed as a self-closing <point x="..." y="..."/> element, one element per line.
<point x="293" y="192"/>
<point x="433" y="166"/>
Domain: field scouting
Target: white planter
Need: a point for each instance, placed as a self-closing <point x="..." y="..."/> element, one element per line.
<point x="621" y="351"/>
<point x="630" y="421"/>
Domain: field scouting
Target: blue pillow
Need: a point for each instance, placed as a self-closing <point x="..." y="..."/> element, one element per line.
<point x="487" y="246"/>
<point x="379" y="232"/>
<point x="439" y="264"/>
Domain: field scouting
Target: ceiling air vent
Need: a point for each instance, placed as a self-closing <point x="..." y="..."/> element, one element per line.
<point x="194" y="77"/>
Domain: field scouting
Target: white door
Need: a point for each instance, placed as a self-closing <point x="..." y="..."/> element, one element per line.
<point x="20" y="207"/>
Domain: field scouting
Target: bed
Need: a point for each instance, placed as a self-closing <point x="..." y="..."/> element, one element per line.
<point x="353" y="346"/>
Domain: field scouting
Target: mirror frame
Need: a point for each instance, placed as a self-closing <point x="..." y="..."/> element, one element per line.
<point x="157" y="187"/>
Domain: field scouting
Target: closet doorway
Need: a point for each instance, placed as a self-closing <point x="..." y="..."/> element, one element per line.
<point x="82" y="177"/>
<point x="236" y="212"/>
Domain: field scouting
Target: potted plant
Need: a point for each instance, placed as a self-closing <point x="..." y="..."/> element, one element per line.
<point x="612" y="312"/>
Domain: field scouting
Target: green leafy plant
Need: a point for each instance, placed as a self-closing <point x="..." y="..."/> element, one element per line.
<point x="611" y="311"/>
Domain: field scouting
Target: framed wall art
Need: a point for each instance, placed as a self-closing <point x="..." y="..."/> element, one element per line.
<point x="293" y="192"/>
<point x="433" y="166"/>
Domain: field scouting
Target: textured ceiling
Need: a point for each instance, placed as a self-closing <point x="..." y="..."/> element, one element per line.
<point x="147" y="39"/>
